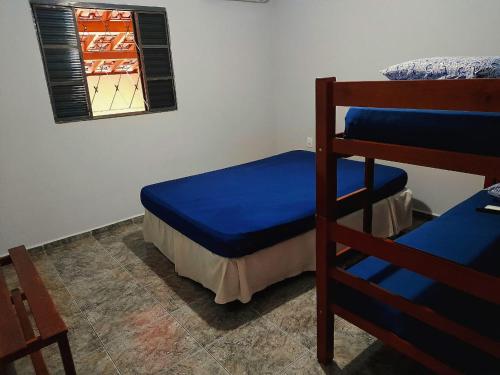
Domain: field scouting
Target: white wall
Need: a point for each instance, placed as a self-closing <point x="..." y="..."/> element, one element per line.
<point x="245" y="82"/>
<point x="58" y="180"/>
<point x="353" y="40"/>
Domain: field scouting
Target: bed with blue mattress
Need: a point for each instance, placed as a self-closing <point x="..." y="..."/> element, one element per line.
<point x="462" y="235"/>
<point x="240" y="229"/>
<point x="458" y="131"/>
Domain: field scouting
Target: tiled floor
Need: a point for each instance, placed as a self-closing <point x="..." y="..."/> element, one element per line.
<point x="129" y="313"/>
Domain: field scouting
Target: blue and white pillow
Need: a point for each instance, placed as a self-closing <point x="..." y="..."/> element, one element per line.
<point x="445" y="68"/>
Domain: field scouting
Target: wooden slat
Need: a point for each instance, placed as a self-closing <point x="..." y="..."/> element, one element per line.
<point x="36" y="357"/>
<point x="351" y="202"/>
<point x="419" y="312"/>
<point x="47" y="318"/>
<point x="453" y="161"/>
<point x="11" y="335"/>
<point x="394" y="341"/>
<point x="442" y="270"/>
<point x="464" y="95"/>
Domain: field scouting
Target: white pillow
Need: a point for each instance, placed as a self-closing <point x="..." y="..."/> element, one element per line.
<point x="445" y="68"/>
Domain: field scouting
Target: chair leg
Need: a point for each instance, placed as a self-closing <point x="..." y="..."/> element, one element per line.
<point x="66" y="356"/>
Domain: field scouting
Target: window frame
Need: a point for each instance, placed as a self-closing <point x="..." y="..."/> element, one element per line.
<point x="109" y="6"/>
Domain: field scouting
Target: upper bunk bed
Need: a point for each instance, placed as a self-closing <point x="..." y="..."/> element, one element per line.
<point x="459" y="131"/>
<point x="434" y="294"/>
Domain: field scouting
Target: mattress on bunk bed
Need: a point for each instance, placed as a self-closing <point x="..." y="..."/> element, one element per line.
<point x="468" y="132"/>
<point x="239" y="210"/>
<point x="462" y="235"/>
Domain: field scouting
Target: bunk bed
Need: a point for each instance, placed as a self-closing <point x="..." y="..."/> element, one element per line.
<point x="434" y="293"/>
<point x="232" y="229"/>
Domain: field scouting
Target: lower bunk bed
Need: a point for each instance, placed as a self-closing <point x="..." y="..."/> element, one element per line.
<point x="462" y="235"/>
<point x="241" y="229"/>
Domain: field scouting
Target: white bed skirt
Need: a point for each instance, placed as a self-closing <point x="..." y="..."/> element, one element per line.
<point x="239" y="278"/>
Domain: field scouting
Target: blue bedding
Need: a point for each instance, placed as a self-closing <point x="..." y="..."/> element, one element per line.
<point x="464" y="236"/>
<point x="468" y="132"/>
<point x="239" y="210"/>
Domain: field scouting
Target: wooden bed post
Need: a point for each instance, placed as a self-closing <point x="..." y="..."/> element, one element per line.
<point x="369" y="182"/>
<point x="326" y="201"/>
<point x="488" y="181"/>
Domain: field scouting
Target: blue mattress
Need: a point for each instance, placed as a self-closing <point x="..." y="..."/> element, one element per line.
<point x="464" y="236"/>
<point x="468" y="132"/>
<point x="239" y="210"/>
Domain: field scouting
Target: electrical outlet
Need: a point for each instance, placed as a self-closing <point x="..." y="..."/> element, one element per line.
<point x="309" y="142"/>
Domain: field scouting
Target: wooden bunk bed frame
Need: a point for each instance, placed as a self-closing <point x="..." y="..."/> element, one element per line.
<point x="466" y="95"/>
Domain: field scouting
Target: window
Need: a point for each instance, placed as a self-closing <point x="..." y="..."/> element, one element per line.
<point x="105" y="60"/>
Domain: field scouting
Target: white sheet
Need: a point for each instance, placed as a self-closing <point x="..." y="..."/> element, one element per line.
<point x="239" y="278"/>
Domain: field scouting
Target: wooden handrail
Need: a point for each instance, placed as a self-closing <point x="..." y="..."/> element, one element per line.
<point x="351" y="202"/>
<point x="463" y="95"/>
<point x="419" y="312"/>
<point x="452" y="161"/>
<point x="442" y="270"/>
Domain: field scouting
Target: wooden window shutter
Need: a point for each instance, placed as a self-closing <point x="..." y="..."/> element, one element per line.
<point x="60" y="46"/>
<point x="156" y="57"/>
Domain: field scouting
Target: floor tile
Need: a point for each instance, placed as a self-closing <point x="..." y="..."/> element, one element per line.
<point x="309" y="365"/>
<point x="350" y="342"/>
<point x="379" y="359"/>
<point x="9" y="273"/>
<point x="257" y="348"/>
<point x="82" y="261"/>
<point x="94" y="363"/>
<point x="175" y="291"/>
<point x="199" y="363"/>
<point x="153" y="269"/>
<point x="64" y="302"/>
<point x="280" y="293"/>
<point x="82" y="338"/>
<point x="153" y="349"/>
<point x="107" y="285"/>
<point x="207" y="321"/>
<point x="297" y="317"/>
<point x="126" y="315"/>
<point x="125" y="243"/>
<point x="114" y="294"/>
<point x="47" y="271"/>
<point x="89" y="363"/>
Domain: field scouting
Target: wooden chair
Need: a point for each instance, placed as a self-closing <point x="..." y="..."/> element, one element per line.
<point x="17" y="338"/>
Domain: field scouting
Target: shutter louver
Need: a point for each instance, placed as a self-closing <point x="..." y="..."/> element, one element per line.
<point x="158" y="74"/>
<point x="59" y="42"/>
